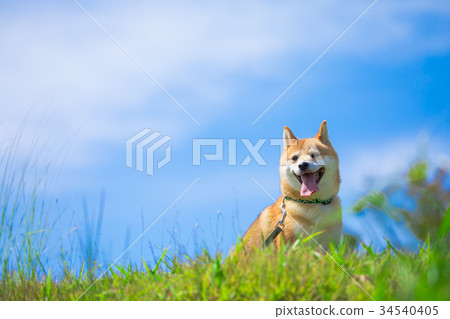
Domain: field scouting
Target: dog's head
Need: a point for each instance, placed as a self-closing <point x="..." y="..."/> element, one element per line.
<point x="309" y="167"/>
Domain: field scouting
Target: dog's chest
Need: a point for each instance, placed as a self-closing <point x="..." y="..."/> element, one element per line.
<point x="309" y="216"/>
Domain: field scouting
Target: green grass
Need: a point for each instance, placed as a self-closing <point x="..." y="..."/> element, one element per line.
<point x="295" y="273"/>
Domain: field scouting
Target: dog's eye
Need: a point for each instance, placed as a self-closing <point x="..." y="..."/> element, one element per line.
<point x="294" y="158"/>
<point x="313" y="155"/>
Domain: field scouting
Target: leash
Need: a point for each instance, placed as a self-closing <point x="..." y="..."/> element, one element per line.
<point x="279" y="226"/>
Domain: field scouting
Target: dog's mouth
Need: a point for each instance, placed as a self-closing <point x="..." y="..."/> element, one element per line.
<point x="310" y="181"/>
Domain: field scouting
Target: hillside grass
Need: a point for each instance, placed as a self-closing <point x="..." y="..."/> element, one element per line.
<point x="294" y="273"/>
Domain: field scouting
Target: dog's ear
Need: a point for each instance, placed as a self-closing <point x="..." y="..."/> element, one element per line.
<point x="322" y="135"/>
<point x="288" y="137"/>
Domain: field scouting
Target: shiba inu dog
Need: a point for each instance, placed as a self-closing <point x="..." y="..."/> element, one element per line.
<point x="309" y="170"/>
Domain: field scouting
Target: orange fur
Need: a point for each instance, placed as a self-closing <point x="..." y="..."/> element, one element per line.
<point x="302" y="218"/>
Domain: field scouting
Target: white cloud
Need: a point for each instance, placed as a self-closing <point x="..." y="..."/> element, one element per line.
<point x="57" y="56"/>
<point x="376" y="165"/>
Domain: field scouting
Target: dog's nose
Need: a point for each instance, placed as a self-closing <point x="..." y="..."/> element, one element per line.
<point x="303" y="165"/>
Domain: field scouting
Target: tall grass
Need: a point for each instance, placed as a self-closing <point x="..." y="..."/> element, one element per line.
<point x="25" y="224"/>
<point x="30" y="220"/>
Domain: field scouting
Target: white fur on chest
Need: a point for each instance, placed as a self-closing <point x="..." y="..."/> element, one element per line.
<point x="315" y="215"/>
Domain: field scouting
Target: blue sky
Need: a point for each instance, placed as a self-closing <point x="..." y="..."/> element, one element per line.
<point x="382" y="88"/>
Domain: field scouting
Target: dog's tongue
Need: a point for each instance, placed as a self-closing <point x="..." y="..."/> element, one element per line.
<point x="309" y="185"/>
